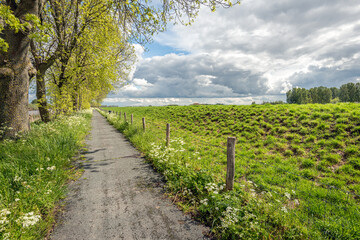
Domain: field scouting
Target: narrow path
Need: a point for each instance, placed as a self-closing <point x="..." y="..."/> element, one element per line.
<point x="120" y="196"/>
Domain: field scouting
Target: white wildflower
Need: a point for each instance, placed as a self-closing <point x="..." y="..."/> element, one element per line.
<point x="28" y="219"/>
<point x="3" y="216"/>
<point x="6" y="236"/>
<point x="284" y="209"/>
<point x="4" y="212"/>
<point x="229" y="217"/>
<point x="287" y="195"/>
<point x="204" y="201"/>
<point x="52" y="168"/>
<point x="48" y="191"/>
<point x="17" y="199"/>
<point x="17" y="178"/>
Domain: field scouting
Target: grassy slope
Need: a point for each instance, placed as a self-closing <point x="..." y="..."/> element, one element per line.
<point x="295" y="163"/>
<point x="33" y="174"/>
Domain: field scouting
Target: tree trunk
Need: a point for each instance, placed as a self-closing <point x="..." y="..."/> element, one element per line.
<point x="14" y="91"/>
<point x="41" y="96"/>
<point x="15" y="72"/>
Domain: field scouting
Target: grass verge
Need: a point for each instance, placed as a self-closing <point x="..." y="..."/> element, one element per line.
<point x="34" y="171"/>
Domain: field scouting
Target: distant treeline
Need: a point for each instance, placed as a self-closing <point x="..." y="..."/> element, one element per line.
<point x="349" y="92"/>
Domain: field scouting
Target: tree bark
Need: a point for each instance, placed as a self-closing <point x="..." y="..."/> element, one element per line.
<point x="41" y="96"/>
<point x="15" y="73"/>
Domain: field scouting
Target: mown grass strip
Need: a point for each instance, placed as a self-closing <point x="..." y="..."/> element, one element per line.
<point x="34" y="171"/>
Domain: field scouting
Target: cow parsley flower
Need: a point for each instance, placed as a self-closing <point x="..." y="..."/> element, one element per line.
<point x="28" y="219"/>
<point x="52" y="168"/>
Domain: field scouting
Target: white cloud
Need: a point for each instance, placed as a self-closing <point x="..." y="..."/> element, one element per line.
<point x="258" y="48"/>
<point x="188" y="101"/>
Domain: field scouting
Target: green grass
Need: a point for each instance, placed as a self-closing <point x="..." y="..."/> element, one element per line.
<point x="34" y="171"/>
<point x="297" y="166"/>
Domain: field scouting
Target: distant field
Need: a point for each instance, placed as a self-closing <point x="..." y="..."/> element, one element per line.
<point x="297" y="166"/>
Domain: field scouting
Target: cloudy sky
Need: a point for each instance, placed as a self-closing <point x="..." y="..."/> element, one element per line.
<point x="252" y="52"/>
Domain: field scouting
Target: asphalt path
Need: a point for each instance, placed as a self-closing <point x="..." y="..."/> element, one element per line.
<point x="120" y="196"/>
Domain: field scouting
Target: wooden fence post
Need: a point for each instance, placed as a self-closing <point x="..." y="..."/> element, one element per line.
<point x="144" y="125"/>
<point x="131" y="119"/>
<point x="125" y="116"/>
<point x="167" y="134"/>
<point x="230" y="172"/>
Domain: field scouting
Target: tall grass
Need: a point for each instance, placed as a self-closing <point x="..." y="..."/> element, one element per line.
<point x="34" y="171"/>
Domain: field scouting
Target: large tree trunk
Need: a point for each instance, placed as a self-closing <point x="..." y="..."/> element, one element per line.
<point x="14" y="90"/>
<point x="15" y="73"/>
<point x="41" y="96"/>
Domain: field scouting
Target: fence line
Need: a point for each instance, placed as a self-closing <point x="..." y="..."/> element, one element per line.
<point x="251" y="158"/>
<point x="327" y="187"/>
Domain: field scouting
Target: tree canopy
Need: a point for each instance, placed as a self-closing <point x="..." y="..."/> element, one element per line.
<point x="79" y="49"/>
<point x="349" y="92"/>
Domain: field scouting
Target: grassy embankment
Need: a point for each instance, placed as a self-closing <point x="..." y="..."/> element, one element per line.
<point x="34" y="171"/>
<point x="297" y="166"/>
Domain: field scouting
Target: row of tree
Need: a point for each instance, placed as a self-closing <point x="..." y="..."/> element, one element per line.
<point x="77" y="50"/>
<point x="349" y="92"/>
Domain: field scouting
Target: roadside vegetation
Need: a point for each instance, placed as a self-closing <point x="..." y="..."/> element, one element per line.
<point x="34" y="170"/>
<point x="297" y="166"/>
